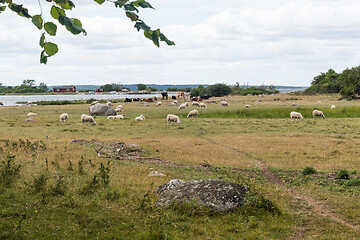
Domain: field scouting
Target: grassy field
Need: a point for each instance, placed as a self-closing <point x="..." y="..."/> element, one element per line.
<point x="51" y="188"/>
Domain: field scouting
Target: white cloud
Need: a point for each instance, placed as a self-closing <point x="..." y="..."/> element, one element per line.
<point x="271" y="42"/>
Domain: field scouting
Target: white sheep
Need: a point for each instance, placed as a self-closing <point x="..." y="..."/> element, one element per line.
<point x="193" y="113"/>
<point x="118" y="109"/>
<point x="64" y="117"/>
<point x="202" y="105"/>
<point x="87" y="118"/>
<point x="332" y="107"/>
<point x="173" y="118"/>
<point x="224" y="104"/>
<point x="296" y="115"/>
<point x="140" y="118"/>
<point x="109" y="103"/>
<point x="317" y="113"/>
<point x="94" y="102"/>
<point x="31" y="114"/>
<point x="195" y="104"/>
<point x="247" y="105"/>
<point x="158" y="104"/>
<point x="182" y="106"/>
<point x="116" y="117"/>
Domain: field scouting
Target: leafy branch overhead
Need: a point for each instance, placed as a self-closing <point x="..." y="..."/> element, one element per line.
<point x="58" y="12"/>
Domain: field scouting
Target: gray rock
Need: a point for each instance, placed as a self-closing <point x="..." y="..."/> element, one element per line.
<point x="215" y="194"/>
<point x="102" y="110"/>
<point x="29" y="120"/>
<point x="167" y="186"/>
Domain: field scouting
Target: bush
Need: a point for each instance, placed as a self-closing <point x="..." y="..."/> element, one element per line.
<point x="9" y="171"/>
<point x="308" y="170"/>
<point x="353" y="182"/>
<point x="343" y="174"/>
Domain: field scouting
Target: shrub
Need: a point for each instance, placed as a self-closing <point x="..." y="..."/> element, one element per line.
<point x="353" y="182"/>
<point x="343" y="174"/>
<point x="9" y="171"/>
<point x="308" y="170"/>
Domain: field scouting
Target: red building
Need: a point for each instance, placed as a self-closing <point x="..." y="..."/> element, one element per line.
<point x="64" y="89"/>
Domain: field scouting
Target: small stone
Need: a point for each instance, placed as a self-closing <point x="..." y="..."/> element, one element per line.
<point x="156" y="174"/>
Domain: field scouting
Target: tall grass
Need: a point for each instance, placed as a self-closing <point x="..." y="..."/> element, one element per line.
<point x="281" y="112"/>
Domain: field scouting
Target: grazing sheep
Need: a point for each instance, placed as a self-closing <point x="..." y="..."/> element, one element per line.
<point x="182" y="106"/>
<point x="87" y="118"/>
<point x="318" y="102"/>
<point x="193" y="113"/>
<point x="118" y="109"/>
<point x="172" y="118"/>
<point x="317" y="113"/>
<point x="202" y="105"/>
<point x="296" y="115"/>
<point x="140" y="118"/>
<point x="116" y="117"/>
<point x="224" y="104"/>
<point x="332" y="107"/>
<point x="64" y="117"/>
<point x="31" y="114"/>
<point x="247" y="105"/>
<point x="195" y="104"/>
<point x="158" y="104"/>
<point x="94" y="102"/>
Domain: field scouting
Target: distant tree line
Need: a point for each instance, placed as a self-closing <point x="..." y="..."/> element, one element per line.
<point x="221" y="89"/>
<point x="113" y="87"/>
<point x="346" y="83"/>
<point x="28" y="86"/>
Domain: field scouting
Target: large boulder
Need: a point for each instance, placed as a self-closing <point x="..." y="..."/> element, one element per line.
<point x="215" y="194"/>
<point x="102" y="110"/>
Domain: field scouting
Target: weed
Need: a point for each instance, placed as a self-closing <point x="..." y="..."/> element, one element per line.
<point x="60" y="187"/>
<point x="104" y="174"/>
<point x="9" y="171"/>
<point x="343" y="174"/>
<point x="112" y="194"/>
<point x="81" y="166"/>
<point x="92" y="186"/>
<point x="40" y="183"/>
<point x="70" y="167"/>
<point x="308" y="170"/>
<point x="353" y="182"/>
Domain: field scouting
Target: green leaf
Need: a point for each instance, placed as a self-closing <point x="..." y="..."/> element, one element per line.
<point x="145" y="5"/>
<point x="142" y="25"/>
<point x="42" y="40"/>
<point x="136" y="3"/>
<point x="154" y="36"/>
<point x="100" y="1"/>
<point x="130" y="7"/>
<point x="2" y="8"/>
<point x="120" y="3"/>
<point x="51" y="48"/>
<point x="72" y="25"/>
<point x="57" y="12"/>
<point x="43" y="57"/>
<point x="132" y="16"/>
<point x="38" y="21"/>
<point x="168" y="42"/>
<point x="50" y="28"/>
<point x="68" y="5"/>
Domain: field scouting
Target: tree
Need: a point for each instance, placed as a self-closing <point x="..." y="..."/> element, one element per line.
<point x="111" y="87"/>
<point x="29" y="82"/>
<point x="141" y="87"/>
<point x="58" y="10"/>
<point x="43" y="87"/>
<point x="199" y="91"/>
<point x="218" y="90"/>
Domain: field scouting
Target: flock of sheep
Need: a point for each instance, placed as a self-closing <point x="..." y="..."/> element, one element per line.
<point x="171" y="118"/>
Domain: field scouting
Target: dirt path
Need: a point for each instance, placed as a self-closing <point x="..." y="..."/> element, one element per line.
<point x="320" y="209"/>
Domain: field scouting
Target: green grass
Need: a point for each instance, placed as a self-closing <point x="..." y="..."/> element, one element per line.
<point x="52" y="189"/>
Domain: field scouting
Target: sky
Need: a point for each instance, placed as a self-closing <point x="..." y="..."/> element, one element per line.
<point x="282" y="42"/>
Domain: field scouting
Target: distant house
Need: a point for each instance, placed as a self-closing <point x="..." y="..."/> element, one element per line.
<point x="64" y="89"/>
<point x="99" y="90"/>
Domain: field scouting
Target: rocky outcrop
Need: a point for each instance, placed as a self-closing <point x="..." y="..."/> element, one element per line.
<point x="101" y="110"/>
<point x="215" y="194"/>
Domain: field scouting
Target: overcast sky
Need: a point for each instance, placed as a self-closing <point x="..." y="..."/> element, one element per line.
<point x="282" y="42"/>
